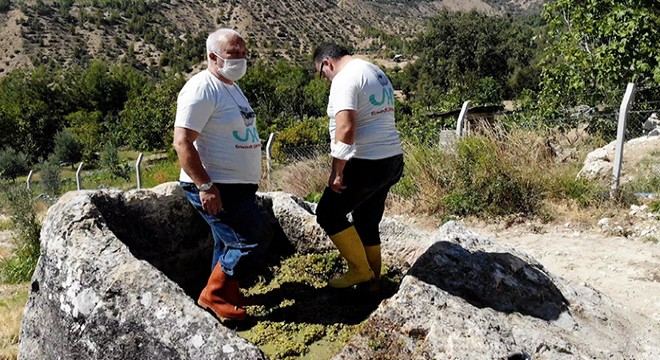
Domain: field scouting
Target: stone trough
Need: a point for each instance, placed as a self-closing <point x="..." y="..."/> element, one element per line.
<point x="119" y="272"/>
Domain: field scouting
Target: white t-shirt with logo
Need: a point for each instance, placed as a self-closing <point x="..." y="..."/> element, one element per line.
<point x="363" y="87"/>
<point x="228" y="141"/>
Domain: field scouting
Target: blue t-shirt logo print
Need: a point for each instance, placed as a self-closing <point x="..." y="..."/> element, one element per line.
<point x="388" y="94"/>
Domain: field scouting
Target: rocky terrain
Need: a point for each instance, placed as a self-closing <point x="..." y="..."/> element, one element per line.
<point x="68" y="32"/>
<point x="464" y="295"/>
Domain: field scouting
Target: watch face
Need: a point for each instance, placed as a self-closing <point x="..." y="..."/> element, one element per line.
<point x="205" y="187"/>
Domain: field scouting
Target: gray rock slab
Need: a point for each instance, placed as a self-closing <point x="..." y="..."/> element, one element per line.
<point x="96" y="293"/>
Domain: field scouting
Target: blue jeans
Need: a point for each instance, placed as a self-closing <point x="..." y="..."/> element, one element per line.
<point x="240" y="230"/>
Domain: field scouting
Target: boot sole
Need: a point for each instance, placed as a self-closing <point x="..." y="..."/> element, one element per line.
<point x="222" y="318"/>
<point x="349" y="284"/>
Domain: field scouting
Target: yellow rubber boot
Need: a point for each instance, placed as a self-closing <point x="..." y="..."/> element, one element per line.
<point x="350" y="247"/>
<point x="373" y="257"/>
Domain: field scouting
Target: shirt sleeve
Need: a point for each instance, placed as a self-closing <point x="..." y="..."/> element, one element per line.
<point x="194" y="108"/>
<point x="344" y="94"/>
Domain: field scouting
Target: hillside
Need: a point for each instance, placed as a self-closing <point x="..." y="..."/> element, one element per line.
<point x="156" y="34"/>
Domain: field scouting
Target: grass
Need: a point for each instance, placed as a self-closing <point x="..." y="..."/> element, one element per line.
<point x="12" y="302"/>
<point x="497" y="173"/>
<point x="6" y="224"/>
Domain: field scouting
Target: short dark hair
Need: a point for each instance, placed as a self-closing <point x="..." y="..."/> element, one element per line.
<point x="330" y="51"/>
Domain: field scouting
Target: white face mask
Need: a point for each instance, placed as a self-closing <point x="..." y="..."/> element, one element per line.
<point x="233" y="69"/>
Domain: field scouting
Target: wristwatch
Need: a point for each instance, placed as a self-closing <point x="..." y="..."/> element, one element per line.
<point x="205" y="186"/>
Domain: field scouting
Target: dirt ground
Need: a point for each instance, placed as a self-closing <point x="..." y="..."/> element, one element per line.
<point x="626" y="270"/>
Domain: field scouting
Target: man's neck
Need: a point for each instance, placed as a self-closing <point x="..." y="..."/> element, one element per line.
<point x="342" y="62"/>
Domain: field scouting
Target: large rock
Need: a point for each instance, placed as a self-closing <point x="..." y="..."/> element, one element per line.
<point x="112" y="279"/>
<point x="466" y="297"/>
<point x="638" y="153"/>
<point x="119" y="271"/>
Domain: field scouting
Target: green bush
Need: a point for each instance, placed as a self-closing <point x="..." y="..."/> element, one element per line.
<point x="17" y="201"/>
<point x="110" y="161"/>
<point x="475" y="178"/>
<point x="12" y="164"/>
<point x="67" y="149"/>
<point x="584" y="192"/>
<point x="50" y="176"/>
<point x="485" y="181"/>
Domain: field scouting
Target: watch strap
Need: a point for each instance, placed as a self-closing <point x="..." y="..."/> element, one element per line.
<point x="205" y="186"/>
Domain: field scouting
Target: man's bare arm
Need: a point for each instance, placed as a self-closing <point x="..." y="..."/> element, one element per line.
<point x="344" y="132"/>
<point x="192" y="164"/>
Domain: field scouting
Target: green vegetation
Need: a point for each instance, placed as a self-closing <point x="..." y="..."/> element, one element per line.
<point x="470" y="56"/>
<point x="19" y="204"/>
<point x="102" y="113"/>
<point x="594" y="48"/>
<point x="12" y="164"/>
<point x="291" y="324"/>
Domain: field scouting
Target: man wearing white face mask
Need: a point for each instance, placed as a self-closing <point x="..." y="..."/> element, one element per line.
<point x="218" y="146"/>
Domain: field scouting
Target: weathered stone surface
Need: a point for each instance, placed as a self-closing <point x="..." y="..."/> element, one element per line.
<point x="467" y="297"/>
<point x="116" y="268"/>
<point x="297" y="220"/>
<point x="599" y="164"/>
<point x="651" y="124"/>
<point x="111" y="278"/>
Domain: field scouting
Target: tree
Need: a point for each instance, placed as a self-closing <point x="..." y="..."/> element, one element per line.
<point x="86" y="127"/>
<point x="458" y="50"/>
<point x="12" y="164"/>
<point x="50" y="175"/>
<point x="32" y="111"/>
<point x="110" y="161"/>
<point x="594" y="48"/>
<point x="147" y="120"/>
<point x="67" y="148"/>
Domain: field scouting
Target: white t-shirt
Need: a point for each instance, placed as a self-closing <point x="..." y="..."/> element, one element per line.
<point x="228" y="141"/>
<point x="363" y="87"/>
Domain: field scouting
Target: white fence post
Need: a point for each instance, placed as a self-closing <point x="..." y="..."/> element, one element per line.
<point x="621" y="137"/>
<point x="29" y="179"/>
<point x="461" y="119"/>
<point x="78" y="183"/>
<point x="269" y="148"/>
<point x="138" y="171"/>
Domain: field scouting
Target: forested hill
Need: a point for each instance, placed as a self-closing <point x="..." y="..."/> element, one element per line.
<point x="165" y="34"/>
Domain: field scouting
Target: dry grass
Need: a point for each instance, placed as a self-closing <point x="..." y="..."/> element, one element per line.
<point x="12" y="302"/>
<point x="542" y="167"/>
<point x="301" y="178"/>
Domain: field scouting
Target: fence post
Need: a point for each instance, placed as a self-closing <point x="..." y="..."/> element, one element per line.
<point x="461" y="119"/>
<point x="29" y="179"/>
<point x="78" y="183"/>
<point x="138" y="171"/>
<point x="621" y="137"/>
<point x="269" y="148"/>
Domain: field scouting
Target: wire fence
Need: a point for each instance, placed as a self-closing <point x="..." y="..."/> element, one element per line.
<point x="602" y="116"/>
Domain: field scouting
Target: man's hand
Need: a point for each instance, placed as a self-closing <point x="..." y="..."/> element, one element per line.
<point x="211" y="202"/>
<point x="336" y="182"/>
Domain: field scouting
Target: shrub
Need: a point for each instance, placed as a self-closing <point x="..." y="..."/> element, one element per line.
<point x="12" y="164"/>
<point x="67" y="148"/>
<point x="110" y="161"/>
<point x="18" y="202"/>
<point x="486" y="181"/>
<point x="50" y="175"/>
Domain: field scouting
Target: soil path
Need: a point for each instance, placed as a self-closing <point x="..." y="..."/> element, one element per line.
<point x="626" y="270"/>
